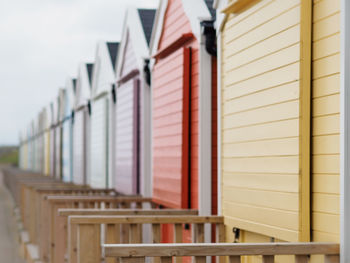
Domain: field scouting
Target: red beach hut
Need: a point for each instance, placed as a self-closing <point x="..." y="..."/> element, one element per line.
<point x="184" y="145"/>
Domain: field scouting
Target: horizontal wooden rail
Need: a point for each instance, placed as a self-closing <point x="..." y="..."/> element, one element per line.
<point x="173" y="219"/>
<point x="115" y="212"/>
<point x="75" y="198"/>
<point x="79" y="189"/>
<point x="220" y="249"/>
<point x="301" y="251"/>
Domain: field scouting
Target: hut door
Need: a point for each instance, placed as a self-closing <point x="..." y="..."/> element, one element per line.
<point x="127" y="137"/>
<point x="58" y="173"/>
<point x="99" y="132"/>
<point x="170" y="120"/>
<point x="79" y="147"/>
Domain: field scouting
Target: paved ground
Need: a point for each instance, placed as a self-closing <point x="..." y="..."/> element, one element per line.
<point x="9" y="250"/>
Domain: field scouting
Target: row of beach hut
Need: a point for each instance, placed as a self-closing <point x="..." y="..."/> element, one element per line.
<point x="229" y="107"/>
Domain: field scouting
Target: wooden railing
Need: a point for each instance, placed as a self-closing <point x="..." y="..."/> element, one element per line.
<point x="33" y="198"/>
<point x="60" y="248"/>
<point x="85" y="232"/>
<point x="55" y="230"/>
<point x="137" y="253"/>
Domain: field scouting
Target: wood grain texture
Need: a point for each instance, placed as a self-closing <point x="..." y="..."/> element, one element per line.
<point x="266" y="89"/>
<point x="145" y="219"/>
<point x="325" y="121"/>
<point x="226" y="249"/>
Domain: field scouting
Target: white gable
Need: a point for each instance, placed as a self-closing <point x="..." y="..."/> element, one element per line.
<point x="83" y="87"/>
<point x="133" y="29"/>
<point x="103" y="73"/>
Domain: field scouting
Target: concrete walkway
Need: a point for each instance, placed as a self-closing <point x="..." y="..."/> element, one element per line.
<point x="9" y="249"/>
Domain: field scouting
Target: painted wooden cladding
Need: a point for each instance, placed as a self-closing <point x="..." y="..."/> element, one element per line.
<point x="127" y="154"/>
<point x="58" y="152"/>
<point x="265" y="120"/>
<point x="52" y="152"/>
<point x="175" y="24"/>
<point x="98" y="143"/>
<point x="38" y="152"/>
<point x="127" y="179"/>
<point x="47" y="141"/>
<point x="170" y="129"/>
<point x="325" y="121"/>
<point x="129" y="57"/>
<point x="79" y="147"/>
<point x="66" y="151"/>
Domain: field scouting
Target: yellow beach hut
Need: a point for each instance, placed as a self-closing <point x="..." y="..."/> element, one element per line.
<point x="279" y="120"/>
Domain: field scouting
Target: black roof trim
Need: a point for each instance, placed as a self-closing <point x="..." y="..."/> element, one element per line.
<point x="212" y="11"/>
<point x="74" y="85"/>
<point x="90" y="68"/>
<point x="113" y="52"/>
<point x="147" y="19"/>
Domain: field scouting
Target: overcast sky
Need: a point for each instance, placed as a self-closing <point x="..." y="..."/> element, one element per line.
<point x="41" y="44"/>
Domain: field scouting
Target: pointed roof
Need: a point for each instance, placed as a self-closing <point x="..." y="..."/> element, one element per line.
<point x="113" y="52"/>
<point x="90" y="68"/>
<point x="137" y="28"/>
<point x="210" y="4"/>
<point x="103" y="74"/>
<point x="83" y="84"/>
<point x="195" y="10"/>
<point x="147" y="19"/>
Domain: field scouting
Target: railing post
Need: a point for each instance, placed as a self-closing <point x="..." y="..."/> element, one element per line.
<point x="178" y="239"/>
<point x="301" y="259"/>
<point x="156" y="238"/>
<point x="112" y="237"/>
<point x="135" y="233"/>
<point x="200" y="259"/>
<point x="166" y="259"/>
<point x="199" y="233"/>
<point x="72" y="243"/>
<point x="235" y="259"/>
<point x="89" y="243"/>
<point x="268" y="259"/>
<point x="331" y="259"/>
<point x="220" y="233"/>
<point x="132" y="260"/>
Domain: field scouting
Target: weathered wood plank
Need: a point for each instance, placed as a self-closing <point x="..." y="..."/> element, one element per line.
<point x="89" y="243"/>
<point x="120" y="211"/>
<point x="301" y="259"/>
<point x="222" y="249"/>
<point x="146" y="219"/>
<point x="268" y="259"/>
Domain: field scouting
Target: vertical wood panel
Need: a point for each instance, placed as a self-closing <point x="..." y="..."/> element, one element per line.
<point x="305" y="119"/>
<point x="89" y="243"/>
<point x="325" y="89"/>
